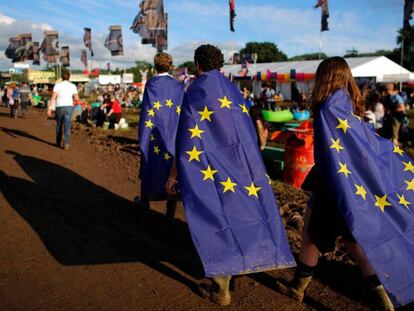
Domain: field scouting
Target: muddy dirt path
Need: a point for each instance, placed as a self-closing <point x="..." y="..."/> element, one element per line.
<point x="72" y="240"/>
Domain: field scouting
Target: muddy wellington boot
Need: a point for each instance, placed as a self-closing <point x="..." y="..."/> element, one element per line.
<point x="218" y="292"/>
<point x="380" y="300"/>
<point x="296" y="288"/>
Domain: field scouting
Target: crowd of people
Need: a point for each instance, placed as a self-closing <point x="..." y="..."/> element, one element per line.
<point x="16" y="96"/>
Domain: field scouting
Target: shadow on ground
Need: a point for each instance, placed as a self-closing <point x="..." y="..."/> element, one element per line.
<point x="81" y="223"/>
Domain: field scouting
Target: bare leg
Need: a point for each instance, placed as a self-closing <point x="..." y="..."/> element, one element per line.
<point x="308" y="259"/>
<point x="308" y="253"/>
<point x="363" y="263"/>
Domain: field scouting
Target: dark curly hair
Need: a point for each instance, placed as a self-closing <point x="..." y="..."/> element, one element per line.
<point x="208" y="57"/>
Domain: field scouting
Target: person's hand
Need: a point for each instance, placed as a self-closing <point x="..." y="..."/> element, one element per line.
<point x="49" y="113"/>
<point x="170" y="186"/>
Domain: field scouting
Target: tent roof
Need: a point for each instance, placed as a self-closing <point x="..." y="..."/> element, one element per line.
<point x="310" y="66"/>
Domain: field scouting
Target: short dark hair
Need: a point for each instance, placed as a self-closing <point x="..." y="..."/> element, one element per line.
<point x="208" y="57"/>
<point x="162" y="62"/>
<point x="65" y="75"/>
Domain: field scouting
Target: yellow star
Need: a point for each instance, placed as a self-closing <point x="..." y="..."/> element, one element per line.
<point x="178" y="110"/>
<point x="244" y="109"/>
<point x="196" y="132"/>
<point x="336" y="145"/>
<point x="152" y="138"/>
<point x="151" y="112"/>
<point x="228" y="185"/>
<point x="224" y="102"/>
<point x="253" y="190"/>
<point x="194" y="154"/>
<point x="408" y="166"/>
<point x="382" y="202"/>
<point x="169" y="103"/>
<point x="149" y="124"/>
<point x="398" y="150"/>
<point x="410" y="184"/>
<point x="270" y="180"/>
<point x="361" y="191"/>
<point x="344" y="169"/>
<point x="343" y="125"/>
<point x="403" y="201"/>
<point x="208" y="173"/>
<point x="157" y="105"/>
<point x="156" y="150"/>
<point x="167" y="156"/>
<point x="206" y="114"/>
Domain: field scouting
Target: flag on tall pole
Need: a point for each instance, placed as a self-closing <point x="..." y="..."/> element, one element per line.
<point x="11" y="49"/>
<point x="232" y="5"/>
<point x="50" y="46"/>
<point x="323" y="4"/>
<point x="65" y="56"/>
<point x="36" y="53"/>
<point x="113" y="41"/>
<point x="408" y="12"/>
<point x="23" y="50"/>
<point x="151" y="23"/>
<point x="87" y="39"/>
<point x="84" y="58"/>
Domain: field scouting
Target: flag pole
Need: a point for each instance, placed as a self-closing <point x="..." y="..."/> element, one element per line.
<point x="402" y="60"/>
<point x="320" y="44"/>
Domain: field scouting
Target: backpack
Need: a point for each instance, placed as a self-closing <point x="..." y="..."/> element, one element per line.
<point x="16" y="94"/>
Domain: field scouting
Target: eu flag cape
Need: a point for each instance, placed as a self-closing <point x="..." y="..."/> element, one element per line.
<point x="158" y="124"/>
<point x="373" y="184"/>
<point x="229" y="203"/>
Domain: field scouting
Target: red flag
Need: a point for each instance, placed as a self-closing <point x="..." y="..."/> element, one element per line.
<point x="232" y="5"/>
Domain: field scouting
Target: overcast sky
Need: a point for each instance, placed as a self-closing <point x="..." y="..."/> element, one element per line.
<point x="294" y="26"/>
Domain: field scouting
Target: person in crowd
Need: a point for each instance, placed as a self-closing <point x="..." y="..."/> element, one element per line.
<point x="262" y="128"/>
<point x="269" y="96"/>
<point x="25" y="98"/>
<point x="63" y="96"/>
<point x="160" y="112"/>
<point x="13" y="98"/>
<point x="115" y="113"/>
<point x="378" y="109"/>
<point x="358" y="191"/>
<point x="394" y="113"/>
<point x="2" y="95"/>
<point x="230" y="205"/>
<point x="248" y="97"/>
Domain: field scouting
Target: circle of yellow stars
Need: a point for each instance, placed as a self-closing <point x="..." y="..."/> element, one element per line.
<point x="380" y="201"/>
<point x="194" y="154"/>
<point x="151" y="112"/>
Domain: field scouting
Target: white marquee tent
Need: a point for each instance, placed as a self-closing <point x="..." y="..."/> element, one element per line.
<point x="377" y="69"/>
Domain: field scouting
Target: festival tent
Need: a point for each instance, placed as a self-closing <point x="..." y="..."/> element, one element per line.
<point x="283" y="74"/>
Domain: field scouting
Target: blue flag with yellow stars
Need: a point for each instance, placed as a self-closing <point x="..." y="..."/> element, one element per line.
<point x="373" y="184"/>
<point x="228" y="199"/>
<point x="160" y="111"/>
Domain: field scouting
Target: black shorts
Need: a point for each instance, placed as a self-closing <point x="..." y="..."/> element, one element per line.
<point x="326" y="223"/>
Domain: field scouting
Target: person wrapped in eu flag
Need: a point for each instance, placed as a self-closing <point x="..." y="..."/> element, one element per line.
<point x="363" y="191"/>
<point x="228" y="199"/>
<point x="158" y="124"/>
